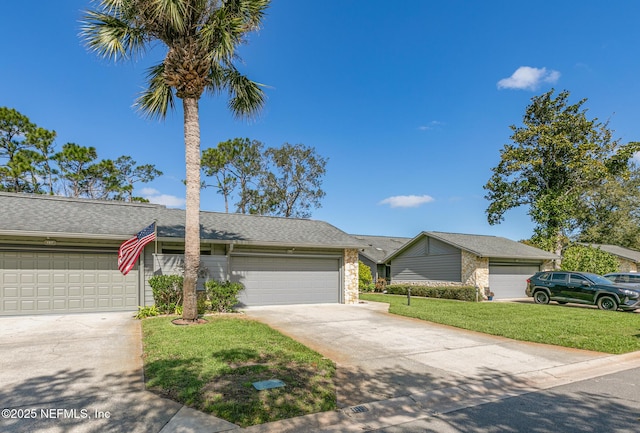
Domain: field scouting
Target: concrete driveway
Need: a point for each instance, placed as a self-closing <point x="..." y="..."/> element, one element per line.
<point x="83" y="373"/>
<point x="382" y="356"/>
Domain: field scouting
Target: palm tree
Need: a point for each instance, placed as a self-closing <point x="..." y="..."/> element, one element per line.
<point x="200" y="37"/>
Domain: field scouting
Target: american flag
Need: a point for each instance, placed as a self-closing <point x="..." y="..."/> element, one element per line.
<point x="131" y="249"/>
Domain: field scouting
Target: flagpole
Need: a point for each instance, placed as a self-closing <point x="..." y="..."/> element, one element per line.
<point x="155" y="229"/>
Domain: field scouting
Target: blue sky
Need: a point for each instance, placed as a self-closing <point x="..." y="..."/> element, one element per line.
<point x="410" y="101"/>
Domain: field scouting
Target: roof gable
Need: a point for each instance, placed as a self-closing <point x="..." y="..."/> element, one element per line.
<point x="379" y="247"/>
<point x="483" y="246"/>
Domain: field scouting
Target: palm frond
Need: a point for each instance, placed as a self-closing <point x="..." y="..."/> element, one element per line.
<point x="227" y="26"/>
<point x="246" y="97"/>
<point x="110" y="36"/>
<point x="174" y="13"/>
<point x="158" y="98"/>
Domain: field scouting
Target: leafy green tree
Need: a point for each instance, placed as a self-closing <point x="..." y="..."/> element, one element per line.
<point x="612" y="212"/>
<point x="77" y="171"/>
<point x="235" y="164"/>
<point x="556" y="158"/>
<point x="25" y="151"/>
<point x="200" y="38"/>
<point x="291" y="185"/>
<point x="127" y="173"/>
<point x="365" y="279"/>
<point x="30" y="164"/>
<point x="584" y="258"/>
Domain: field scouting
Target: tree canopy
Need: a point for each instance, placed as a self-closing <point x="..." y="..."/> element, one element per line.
<point x="586" y="258"/>
<point x="611" y="213"/>
<point x="29" y="163"/>
<point x="556" y="159"/>
<point x="284" y="181"/>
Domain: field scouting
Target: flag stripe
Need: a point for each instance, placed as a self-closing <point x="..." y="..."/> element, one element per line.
<point x="130" y="249"/>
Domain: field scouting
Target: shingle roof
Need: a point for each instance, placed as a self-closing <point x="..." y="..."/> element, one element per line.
<point x="487" y="246"/>
<point x="37" y="215"/>
<point x="625" y="253"/>
<point x="379" y="247"/>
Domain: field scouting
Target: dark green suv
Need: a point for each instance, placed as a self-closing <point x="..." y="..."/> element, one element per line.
<point x="581" y="288"/>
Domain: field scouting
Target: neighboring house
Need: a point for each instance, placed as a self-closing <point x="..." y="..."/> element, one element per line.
<point x="59" y="255"/>
<point x="490" y="263"/>
<point x="379" y="247"/>
<point x="629" y="259"/>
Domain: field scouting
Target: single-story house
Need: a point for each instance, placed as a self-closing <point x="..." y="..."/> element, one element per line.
<point x="59" y="255"/>
<point x="377" y="248"/>
<point x="490" y="263"/>
<point x="628" y="259"/>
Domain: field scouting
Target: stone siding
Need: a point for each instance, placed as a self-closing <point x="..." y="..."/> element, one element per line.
<point x="548" y="265"/>
<point x="351" y="292"/>
<point x="627" y="265"/>
<point x="475" y="271"/>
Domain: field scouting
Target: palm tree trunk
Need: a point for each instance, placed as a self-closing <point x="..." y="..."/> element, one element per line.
<point x="192" y="223"/>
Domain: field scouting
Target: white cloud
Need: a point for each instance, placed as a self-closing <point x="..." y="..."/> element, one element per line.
<point x="154" y="196"/>
<point x="431" y="125"/>
<point x="528" y="78"/>
<point x="407" y="200"/>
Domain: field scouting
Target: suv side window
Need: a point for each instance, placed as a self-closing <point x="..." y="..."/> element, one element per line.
<point x="544" y="276"/>
<point x="577" y="279"/>
<point x="559" y="277"/>
<point x="634" y="278"/>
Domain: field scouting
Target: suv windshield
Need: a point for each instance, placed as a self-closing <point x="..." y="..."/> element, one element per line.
<point x="598" y="279"/>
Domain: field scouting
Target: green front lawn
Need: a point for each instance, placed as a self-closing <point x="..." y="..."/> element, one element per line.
<point x="581" y="328"/>
<point x="211" y="368"/>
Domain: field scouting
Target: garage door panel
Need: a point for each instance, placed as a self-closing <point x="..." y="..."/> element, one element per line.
<point x="46" y="282"/>
<point x="284" y="281"/>
<point x="507" y="281"/>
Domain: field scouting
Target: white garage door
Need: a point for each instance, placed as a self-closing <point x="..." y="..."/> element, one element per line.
<point x="62" y="282"/>
<point x="287" y="280"/>
<point x="510" y="281"/>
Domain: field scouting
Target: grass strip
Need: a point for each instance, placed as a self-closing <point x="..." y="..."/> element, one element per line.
<point x="561" y="325"/>
<point x="212" y="367"/>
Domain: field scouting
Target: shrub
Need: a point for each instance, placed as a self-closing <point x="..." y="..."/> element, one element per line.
<point x="167" y="292"/>
<point x="588" y="259"/>
<point x="381" y="285"/>
<point x="461" y="293"/>
<point x="365" y="280"/>
<point x="144" y="312"/>
<point x="203" y="304"/>
<point x="223" y="295"/>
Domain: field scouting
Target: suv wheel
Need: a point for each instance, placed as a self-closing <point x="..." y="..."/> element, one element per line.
<point x="541" y="297"/>
<point x="607" y="302"/>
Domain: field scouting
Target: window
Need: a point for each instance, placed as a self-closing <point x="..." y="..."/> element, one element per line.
<point x="577" y="279"/>
<point x="544" y="276"/>
<point x="559" y="277"/>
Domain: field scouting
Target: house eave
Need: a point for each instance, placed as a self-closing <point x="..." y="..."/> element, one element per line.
<point x="123" y="237"/>
<point x="45" y="234"/>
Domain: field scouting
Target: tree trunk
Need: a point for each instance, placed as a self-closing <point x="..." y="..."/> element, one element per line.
<point x="192" y="222"/>
<point x="557" y="249"/>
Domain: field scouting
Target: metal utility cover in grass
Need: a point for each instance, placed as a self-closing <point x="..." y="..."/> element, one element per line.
<point x="268" y="384"/>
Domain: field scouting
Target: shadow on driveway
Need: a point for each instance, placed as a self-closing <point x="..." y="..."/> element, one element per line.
<point x="76" y="373"/>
